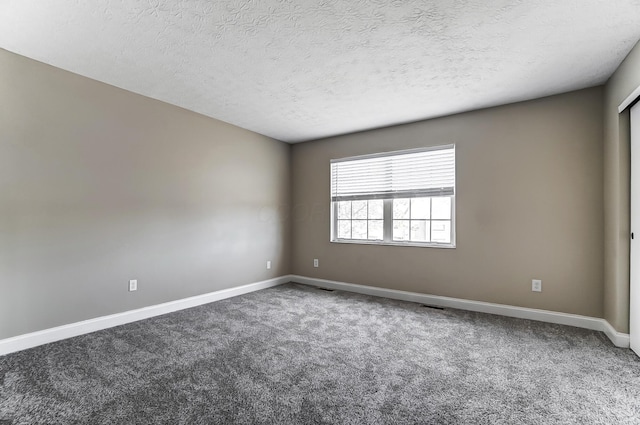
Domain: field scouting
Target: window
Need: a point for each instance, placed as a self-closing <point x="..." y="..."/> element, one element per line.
<point x="395" y="198"/>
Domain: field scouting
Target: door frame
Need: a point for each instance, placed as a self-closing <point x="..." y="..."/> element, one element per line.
<point x="634" y="248"/>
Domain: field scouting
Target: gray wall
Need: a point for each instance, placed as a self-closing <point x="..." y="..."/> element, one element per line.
<point x="99" y="186"/>
<point x="529" y="205"/>
<point x="617" y="160"/>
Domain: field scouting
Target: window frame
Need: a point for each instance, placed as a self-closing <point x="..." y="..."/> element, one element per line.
<point x="388" y="210"/>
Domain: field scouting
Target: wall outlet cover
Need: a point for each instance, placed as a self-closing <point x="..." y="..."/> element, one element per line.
<point x="536" y="285"/>
<point x="133" y="285"/>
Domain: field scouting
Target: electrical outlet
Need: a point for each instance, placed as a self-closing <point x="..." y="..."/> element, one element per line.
<point x="133" y="285"/>
<point x="268" y="265"/>
<point x="536" y="285"/>
<point x="315" y="263"/>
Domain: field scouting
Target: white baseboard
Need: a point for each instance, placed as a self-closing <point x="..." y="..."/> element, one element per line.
<point x="618" y="338"/>
<point x="33" y="339"/>
<point x="593" y="323"/>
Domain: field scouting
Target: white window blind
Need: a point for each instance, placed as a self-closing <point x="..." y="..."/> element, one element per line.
<point x="417" y="173"/>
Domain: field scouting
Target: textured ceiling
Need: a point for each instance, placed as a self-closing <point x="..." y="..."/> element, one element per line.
<point x="301" y="70"/>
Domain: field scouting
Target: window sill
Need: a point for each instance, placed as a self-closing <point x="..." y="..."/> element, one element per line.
<point x="384" y="243"/>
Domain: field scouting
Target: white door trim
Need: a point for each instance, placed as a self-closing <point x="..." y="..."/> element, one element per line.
<point x="634" y="254"/>
<point x="629" y="100"/>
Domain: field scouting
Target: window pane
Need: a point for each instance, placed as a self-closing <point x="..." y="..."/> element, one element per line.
<point x="400" y="208"/>
<point x="359" y="209"/>
<point x="376" y="230"/>
<point x="344" y="229"/>
<point x="344" y="210"/>
<point x="420" y="208"/>
<point x="359" y="229"/>
<point x="401" y="230"/>
<point x="441" y="231"/>
<point x="419" y="231"/>
<point x="422" y="179"/>
<point x="376" y="209"/>
<point x="441" y="208"/>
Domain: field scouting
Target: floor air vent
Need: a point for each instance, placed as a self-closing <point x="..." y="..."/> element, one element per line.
<point x="324" y="289"/>
<point x="435" y="307"/>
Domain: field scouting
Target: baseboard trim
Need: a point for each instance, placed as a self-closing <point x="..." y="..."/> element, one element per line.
<point x="34" y="339"/>
<point x="593" y="323"/>
<point x="619" y="339"/>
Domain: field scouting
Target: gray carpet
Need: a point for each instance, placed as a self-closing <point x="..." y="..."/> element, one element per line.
<point x="296" y="354"/>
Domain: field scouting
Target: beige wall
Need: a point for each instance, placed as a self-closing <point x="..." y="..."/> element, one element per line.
<point x="617" y="157"/>
<point x="529" y="205"/>
<point x="99" y="186"/>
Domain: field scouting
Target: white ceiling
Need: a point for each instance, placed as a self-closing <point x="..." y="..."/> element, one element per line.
<point x="301" y="70"/>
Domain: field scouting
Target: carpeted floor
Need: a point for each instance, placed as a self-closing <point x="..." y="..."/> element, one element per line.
<point x="296" y="354"/>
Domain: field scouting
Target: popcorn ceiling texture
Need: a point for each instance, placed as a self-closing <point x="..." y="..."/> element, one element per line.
<point x="300" y="70"/>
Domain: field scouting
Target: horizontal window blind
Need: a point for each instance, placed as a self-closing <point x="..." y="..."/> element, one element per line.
<point x="403" y="174"/>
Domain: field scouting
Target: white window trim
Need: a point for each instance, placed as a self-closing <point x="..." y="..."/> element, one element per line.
<point x="388" y="232"/>
<point x="388" y="213"/>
